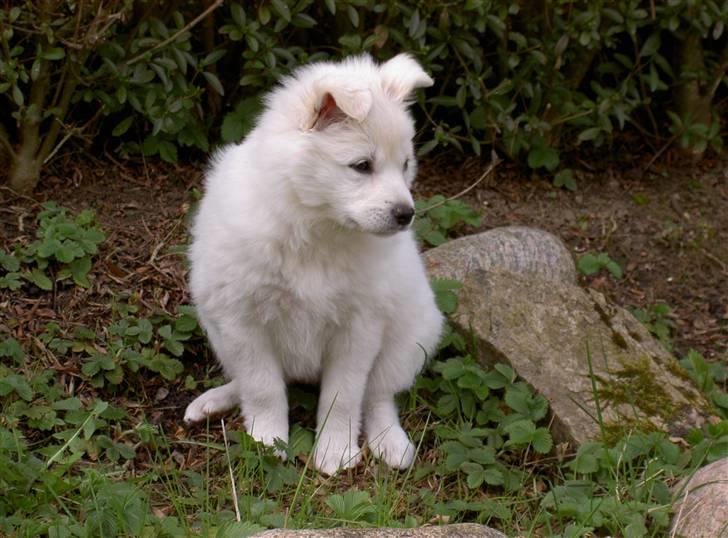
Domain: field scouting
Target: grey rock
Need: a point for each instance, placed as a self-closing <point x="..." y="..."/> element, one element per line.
<point x="465" y="530"/>
<point x="513" y="249"/>
<point x="577" y="349"/>
<point x="701" y="510"/>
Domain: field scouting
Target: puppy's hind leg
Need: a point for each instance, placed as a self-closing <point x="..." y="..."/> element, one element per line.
<point x="212" y="402"/>
<point x="257" y="384"/>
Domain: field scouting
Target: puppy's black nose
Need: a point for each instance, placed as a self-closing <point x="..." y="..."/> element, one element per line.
<point x="403" y="214"/>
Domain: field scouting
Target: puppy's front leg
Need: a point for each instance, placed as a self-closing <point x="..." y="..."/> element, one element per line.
<point x="348" y="361"/>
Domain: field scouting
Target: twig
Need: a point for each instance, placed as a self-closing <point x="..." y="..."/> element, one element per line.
<point x="174" y="36"/>
<point x="71" y="131"/>
<point x="493" y="163"/>
<point x="5" y="142"/>
<point x="230" y="468"/>
<point x="660" y="152"/>
<point x="715" y="259"/>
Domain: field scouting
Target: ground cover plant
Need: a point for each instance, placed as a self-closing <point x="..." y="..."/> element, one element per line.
<point x="91" y="443"/>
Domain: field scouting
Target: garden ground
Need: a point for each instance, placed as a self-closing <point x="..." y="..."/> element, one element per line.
<point x="667" y="228"/>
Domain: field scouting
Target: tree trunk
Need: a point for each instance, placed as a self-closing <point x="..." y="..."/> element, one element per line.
<point x="692" y="100"/>
<point x="25" y="169"/>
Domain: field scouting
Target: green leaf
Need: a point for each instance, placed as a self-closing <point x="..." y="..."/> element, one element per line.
<point x="214" y="82"/>
<point x="240" y="121"/>
<point x="55" y="53"/>
<point x="445" y="296"/>
<point x="79" y="269"/>
<point x="282" y="9"/>
<point x="493" y="476"/>
<point x="11" y="348"/>
<point x="353" y="15"/>
<point x="543" y="157"/>
<point x="168" y="151"/>
<point x="39" y="278"/>
<point x="18" y="384"/>
<point x="122" y="126"/>
<point x="651" y="45"/>
<point x="8" y="261"/>
<point x="167" y="367"/>
<point x="521" y="431"/>
<point x="589" y="134"/>
<point x="11" y="281"/>
<point x="174" y="347"/>
<point x="185" y="324"/>
<point x="588" y="264"/>
<point x="541" y="441"/>
<point x="565" y="178"/>
<point x="238" y="14"/>
<point x="614" y="268"/>
<point x="215" y="55"/>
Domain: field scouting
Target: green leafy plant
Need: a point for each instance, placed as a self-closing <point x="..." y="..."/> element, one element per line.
<point x="710" y="377"/>
<point x="656" y="319"/>
<point x="589" y="264"/>
<point x="64" y="248"/>
<point x="136" y="343"/>
<point x="437" y="216"/>
<point x="487" y="427"/>
<point x="352" y="507"/>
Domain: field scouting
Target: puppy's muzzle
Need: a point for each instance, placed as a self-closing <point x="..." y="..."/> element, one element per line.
<point x="403" y="214"/>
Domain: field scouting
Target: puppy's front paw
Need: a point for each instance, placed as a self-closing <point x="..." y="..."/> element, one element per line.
<point x="212" y="402"/>
<point x="393" y="447"/>
<point x="269" y="433"/>
<point x="333" y="454"/>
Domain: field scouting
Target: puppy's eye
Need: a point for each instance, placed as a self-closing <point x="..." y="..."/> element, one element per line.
<point x="405" y="166"/>
<point x="363" y="167"/>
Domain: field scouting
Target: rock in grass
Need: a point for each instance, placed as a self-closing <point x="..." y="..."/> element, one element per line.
<point x="513" y="249"/>
<point x="465" y="530"/>
<point x="600" y="369"/>
<point x="701" y="510"/>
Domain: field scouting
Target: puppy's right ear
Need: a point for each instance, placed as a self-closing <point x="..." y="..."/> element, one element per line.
<point x="402" y="75"/>
<point x="339" y="100"/>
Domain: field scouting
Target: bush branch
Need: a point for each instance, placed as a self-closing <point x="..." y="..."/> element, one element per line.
<point x="493" y="163"/>
<point x="174" y="36"/>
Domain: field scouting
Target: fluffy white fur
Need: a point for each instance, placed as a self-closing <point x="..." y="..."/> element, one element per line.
<point x="304" y="268"/>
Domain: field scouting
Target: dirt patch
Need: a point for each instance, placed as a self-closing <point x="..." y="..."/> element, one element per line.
<point x="667" y="229"/>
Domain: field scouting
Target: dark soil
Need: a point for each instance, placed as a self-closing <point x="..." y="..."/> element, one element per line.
<point x="668" y="229"/>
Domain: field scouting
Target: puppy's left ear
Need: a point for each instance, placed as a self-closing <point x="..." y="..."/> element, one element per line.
<point x="402" y="75"/>
<point x="339" y="98"/>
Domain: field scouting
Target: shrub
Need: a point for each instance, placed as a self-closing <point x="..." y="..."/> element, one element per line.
<point x="529" y="78"/>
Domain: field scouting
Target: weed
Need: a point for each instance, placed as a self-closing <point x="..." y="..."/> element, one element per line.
<point x="438" y="216"/>
<point x="589" y="264"/>
<point x="656" y="319"/>
<point x="710" y="377"/>
<point x="63" y="248"/>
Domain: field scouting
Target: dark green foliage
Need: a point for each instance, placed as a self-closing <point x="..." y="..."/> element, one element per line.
<point x="529" y="78"/>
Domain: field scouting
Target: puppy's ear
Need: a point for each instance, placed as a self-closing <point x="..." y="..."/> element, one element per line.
<point x="402" y="75"/>
<point x="340" y="100"/>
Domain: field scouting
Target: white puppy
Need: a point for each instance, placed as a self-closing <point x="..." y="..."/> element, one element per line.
<point x="304" y="267"/>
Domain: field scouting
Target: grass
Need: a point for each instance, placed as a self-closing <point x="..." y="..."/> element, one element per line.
<point x="92" y="444"/>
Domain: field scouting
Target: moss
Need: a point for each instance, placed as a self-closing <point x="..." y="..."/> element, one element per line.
<point x="678" y="371"/>
<point x="636" y="386"/>
<point x="616" y="430"/>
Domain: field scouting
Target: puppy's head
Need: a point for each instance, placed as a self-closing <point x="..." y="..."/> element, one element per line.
<point x="359" y="162"/>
